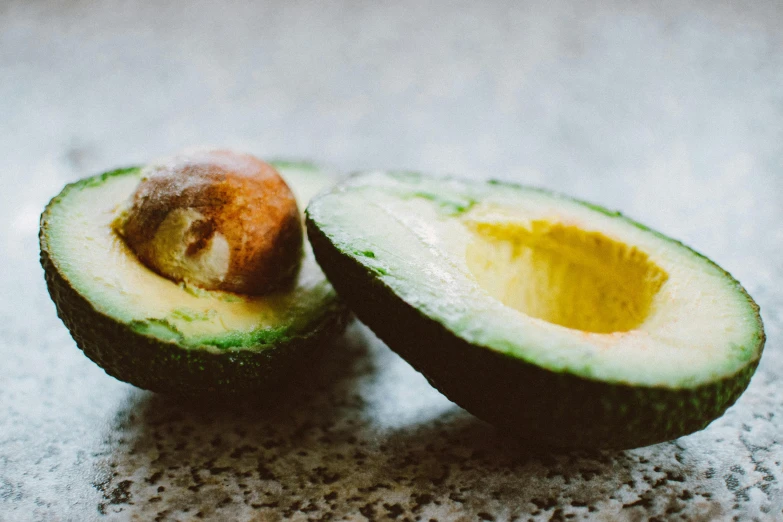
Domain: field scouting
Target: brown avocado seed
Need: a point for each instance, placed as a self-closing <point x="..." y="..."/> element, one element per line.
<point x="216" y="219"/>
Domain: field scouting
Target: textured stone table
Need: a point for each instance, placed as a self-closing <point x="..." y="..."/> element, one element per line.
<point x="672" y="113"/>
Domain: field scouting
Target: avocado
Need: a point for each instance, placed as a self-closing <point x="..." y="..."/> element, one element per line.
<point x="172" y="337"/>
<point x="560" y="322"/>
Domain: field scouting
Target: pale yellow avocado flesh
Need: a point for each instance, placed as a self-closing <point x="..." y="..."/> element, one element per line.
<point x="90" y="255"/>
<point x="547" y="279"/>
<point x="565" y="275"/>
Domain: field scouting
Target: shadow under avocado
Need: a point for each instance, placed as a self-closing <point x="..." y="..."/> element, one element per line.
<point x="327" y="444"/>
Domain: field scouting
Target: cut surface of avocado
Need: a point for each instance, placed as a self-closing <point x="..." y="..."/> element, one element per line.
<point x="90" y="268"/>
<point x="561" y="307"/>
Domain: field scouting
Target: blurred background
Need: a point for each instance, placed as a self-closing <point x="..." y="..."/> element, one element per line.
<point x="669" y="111"/>
<point x="601" y="99"/>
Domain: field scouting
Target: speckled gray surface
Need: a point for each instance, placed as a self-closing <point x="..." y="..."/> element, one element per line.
<point x="672" y="113"/>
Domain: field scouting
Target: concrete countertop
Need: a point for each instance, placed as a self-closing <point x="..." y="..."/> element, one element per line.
<point x="670" y="112"/>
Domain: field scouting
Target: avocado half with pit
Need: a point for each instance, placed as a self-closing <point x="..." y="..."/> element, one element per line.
<point x="570" y="325"/>
<point x="171" y="337"/>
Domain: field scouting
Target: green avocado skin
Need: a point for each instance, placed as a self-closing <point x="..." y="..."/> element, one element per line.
<point x="165" y="367"/>
<point x="540" y="407"/>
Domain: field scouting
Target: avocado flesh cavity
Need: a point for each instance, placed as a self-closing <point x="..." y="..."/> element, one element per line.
<point x="566" y="323"/>
<point x="161" y="335"/>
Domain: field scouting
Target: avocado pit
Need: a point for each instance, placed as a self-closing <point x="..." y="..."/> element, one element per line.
<point x="216" y="219"/>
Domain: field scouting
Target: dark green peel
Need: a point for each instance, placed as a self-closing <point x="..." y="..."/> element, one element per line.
<point x="157" y="352"/>
<point x="129" y="355"/>
<point x="536" y="404"/>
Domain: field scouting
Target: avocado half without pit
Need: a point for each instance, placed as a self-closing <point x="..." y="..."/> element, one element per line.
<point x="190" y="276"/>
<point x="557" y="320"/>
